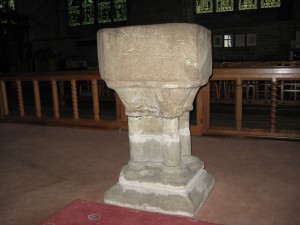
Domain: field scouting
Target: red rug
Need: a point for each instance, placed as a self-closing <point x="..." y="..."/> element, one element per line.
<point x="82" y="212"/>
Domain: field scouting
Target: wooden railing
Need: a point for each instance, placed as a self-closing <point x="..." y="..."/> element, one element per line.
<point x="77" y="80"/>
<point x="272" y="76"/>
<point x="58" y="81"/>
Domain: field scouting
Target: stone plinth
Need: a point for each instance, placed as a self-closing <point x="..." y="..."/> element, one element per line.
<point x="157" y="70"/>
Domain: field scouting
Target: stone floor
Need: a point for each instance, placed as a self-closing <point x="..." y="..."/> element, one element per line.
<point x="43" y="169"/>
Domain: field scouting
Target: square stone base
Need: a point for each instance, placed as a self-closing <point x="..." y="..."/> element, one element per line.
<point x="156" y="197"/>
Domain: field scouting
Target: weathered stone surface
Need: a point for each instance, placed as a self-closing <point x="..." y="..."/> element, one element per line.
<point x="165" y="52"/>
<point x="145" y="64"/>
<point x="184" y="201"/>
<point x="157" y="70"/>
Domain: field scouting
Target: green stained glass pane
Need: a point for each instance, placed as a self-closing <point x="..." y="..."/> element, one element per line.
<point x="204" y="6"/>
<point x="11" y="5"/>
<point x="7" y="5"/>
<point x="120" y="10"/>
<point x="247" y="4"/>
<point x="270" y="3"/>
<point x="224" y="5"/>
<point x="104" y="12"/>
<point x="88" y="12"/>
<point x="74" y="12"/>
<point x="1" y="5"/>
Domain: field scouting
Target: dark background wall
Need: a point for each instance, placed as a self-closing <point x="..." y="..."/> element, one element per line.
<point x="274" y="28"/>
<point x="45" y="41"/>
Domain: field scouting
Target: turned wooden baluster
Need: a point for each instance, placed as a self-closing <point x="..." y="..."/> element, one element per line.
<point x="95" y="99"/>
<point x="4" y="98"/>
<point x="20" y="98"/>
<point x="238" y="104"/>
<point x="273" y="105"/>
<point x="55" y="99"/>
<point x="74" y="100"/>
<point x="37" y="98"/>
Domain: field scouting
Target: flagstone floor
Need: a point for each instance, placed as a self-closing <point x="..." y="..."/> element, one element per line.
<point x="43" y="169"/>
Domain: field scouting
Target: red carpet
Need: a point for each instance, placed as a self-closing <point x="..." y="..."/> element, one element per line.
<point x="82" y="212"/>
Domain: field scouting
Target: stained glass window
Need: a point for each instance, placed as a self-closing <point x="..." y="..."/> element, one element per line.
<point x="207" y="6"/>
<point x="74" y="12"/>
<point x="204" y="6"/>
<point x="104" y="11"/>
<point x="269" y="3"/>
<point x="82" y="12"/>
<point x="11" y="5"/>
<point x="7" y="5"/>
<point x="247" y="4"/>
<point x="120" y="10"/>
<point x="224" y="5"/>
<point x="1" y="5"/>
<point x="88" y="12"/>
